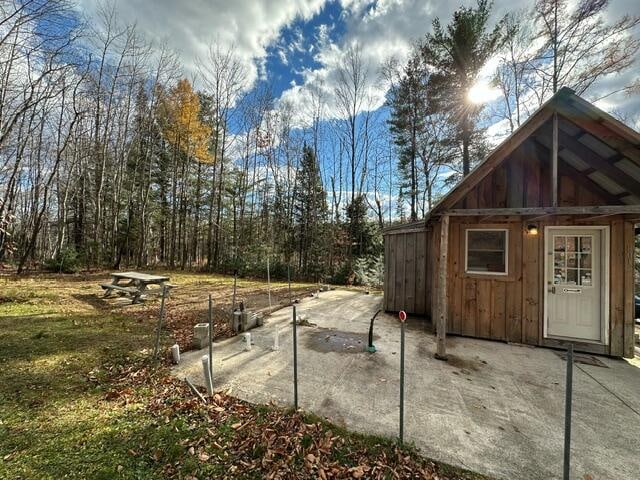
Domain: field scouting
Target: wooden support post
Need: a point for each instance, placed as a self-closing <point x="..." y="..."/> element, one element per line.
<point x="441" y="350"/>
<point x="554" y="162"/>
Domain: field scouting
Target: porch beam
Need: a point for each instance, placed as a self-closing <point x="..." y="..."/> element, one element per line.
<point x="554" y="161"/>
<point x="595" y="217"/>
<point x="589" y="210"/>
<point x="441" y="326"/>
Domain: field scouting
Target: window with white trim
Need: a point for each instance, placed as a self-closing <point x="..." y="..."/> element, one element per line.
<point x="486" y="251"/>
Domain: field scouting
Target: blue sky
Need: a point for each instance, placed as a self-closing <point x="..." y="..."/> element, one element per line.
<point x="295" y="49"/>
<point x="294" y="44"/>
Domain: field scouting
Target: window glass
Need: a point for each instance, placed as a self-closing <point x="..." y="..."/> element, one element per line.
<point x="486" y="251"/>
<point x="572" y="260"/>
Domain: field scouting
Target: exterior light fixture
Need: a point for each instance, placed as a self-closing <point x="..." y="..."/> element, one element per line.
<point x="532" y="229"/>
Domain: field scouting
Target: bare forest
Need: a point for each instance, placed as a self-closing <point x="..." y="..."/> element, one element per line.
<point x="115" y="155"/>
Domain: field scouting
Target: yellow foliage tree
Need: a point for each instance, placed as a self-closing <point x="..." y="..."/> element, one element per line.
<point x="181" y="124"/>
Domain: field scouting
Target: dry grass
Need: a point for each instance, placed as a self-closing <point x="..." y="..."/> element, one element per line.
<point x="82" y="398"/>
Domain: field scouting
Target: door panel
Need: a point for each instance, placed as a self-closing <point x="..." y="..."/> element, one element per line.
<point x="574" y="276"/>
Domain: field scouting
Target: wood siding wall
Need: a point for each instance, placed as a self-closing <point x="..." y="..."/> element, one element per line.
<point x="511" y="308"/>
<point x="405" y="272"/>
<point x="524" y="181"/>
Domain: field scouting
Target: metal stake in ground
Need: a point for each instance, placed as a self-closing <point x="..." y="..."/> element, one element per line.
<point x="195" y="390"/>
<point x="211" y="338"/>
<point x="403" y="316"/>
<point x="269" y="283"/>
<point x="567" y="413"/>
<point x="295" y="359"/>
<point x="289" y="280"/>
<point x="235" y="283"/>
<point x="160" y="319"/>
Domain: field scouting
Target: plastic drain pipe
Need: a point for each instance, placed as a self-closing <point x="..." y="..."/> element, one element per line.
<point x="276" y="340"/>
<point x="371" y="348"/>
<point x="207" y="374"/>
<point x="247" y="341"/>
<point x="175" y="353"/>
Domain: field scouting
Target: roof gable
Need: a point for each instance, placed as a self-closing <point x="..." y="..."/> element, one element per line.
<point x="597" y="145"/>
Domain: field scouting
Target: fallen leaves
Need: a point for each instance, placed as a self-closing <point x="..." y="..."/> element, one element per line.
<point x="245" y="440"/>
<point x="359" y="471"/>
<point x="283" y="444"/>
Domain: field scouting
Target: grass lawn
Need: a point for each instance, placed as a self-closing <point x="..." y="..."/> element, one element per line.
<point x="81" y="397"/>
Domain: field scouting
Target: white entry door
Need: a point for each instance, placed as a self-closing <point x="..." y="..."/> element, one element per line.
<point x="575" y="269"/>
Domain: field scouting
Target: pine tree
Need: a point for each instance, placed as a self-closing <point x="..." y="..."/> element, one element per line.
<point x="407" y="125"/>
<point x="456" y="54"/>
<point x="310" y="215"/>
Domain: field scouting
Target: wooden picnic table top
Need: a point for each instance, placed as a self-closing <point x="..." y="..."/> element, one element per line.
<point x="142" y="277"/>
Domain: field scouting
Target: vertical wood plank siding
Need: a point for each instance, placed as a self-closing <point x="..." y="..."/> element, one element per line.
<point x="405" y="272"/>
<point x="510" y="308"/>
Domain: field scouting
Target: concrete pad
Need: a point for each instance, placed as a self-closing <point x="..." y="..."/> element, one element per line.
<point x="494" y="408"/>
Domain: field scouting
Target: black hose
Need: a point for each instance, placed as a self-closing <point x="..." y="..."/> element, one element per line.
<point x="371" y="347"/>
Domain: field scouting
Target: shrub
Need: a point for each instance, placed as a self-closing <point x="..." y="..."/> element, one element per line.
<point x="369" y="270"/>
<point x="66" y="261"/>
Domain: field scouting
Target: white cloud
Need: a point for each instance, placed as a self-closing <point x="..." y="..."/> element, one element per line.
<point x="382" y="29"/>
<point x="388" y="28"/>
<point x="190" y="26"/>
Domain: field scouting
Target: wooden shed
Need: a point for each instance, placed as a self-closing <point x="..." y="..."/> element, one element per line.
<point x="537" y="244"/>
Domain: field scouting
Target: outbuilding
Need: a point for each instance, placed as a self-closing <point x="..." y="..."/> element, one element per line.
<point x="537" y="244"/>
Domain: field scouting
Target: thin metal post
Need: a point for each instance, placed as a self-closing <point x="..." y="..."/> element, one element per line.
<point x="160" y="319"/>
<point x="401" y="382"/>
<point x="295" y="359"/>
<point x="289" y="280"/>
<point x="195" y="390"/>
<point x="211" y="338"/>
<point x="235" y="282"/>
<point x="567" y="413"/>
<point x="269" y="282"/>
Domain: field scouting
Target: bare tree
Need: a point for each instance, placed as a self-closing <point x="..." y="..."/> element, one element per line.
<point x="224" y="77"/>
<point x="579" y="46"/>
<point x="352" y="102"/>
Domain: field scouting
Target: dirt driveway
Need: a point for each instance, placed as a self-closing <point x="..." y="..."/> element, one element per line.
<point x="493" y="408"/>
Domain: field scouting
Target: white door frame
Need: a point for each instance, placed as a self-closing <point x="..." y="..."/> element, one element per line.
<point x="604" y="278"/>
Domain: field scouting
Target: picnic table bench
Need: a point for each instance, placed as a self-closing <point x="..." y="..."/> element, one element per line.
<point x="135" y="284"/>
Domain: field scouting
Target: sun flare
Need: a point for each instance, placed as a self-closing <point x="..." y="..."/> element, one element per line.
<point x="481" y="93"/>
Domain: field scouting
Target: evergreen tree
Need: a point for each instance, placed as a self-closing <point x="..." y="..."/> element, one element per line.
<point x="362" y="232"/>
<point x="407" y="125"/>
<point x="310" y="210"/>
<point x="455" y="54"/>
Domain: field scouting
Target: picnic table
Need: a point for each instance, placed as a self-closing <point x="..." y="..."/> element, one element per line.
<point x="135" y="284"/>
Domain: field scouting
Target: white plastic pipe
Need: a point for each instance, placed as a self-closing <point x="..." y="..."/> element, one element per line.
<point x="207" y="374"/>
<point x="276" y="340"/>
<point x="247" y="341"/>
<point x="175" y="353"/>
